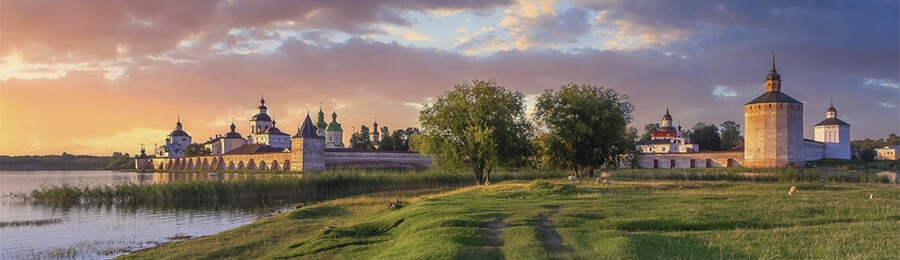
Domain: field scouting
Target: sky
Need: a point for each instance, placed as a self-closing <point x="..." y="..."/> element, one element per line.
<point x="94" y="77"/>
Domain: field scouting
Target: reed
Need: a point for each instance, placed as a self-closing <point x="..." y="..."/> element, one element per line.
<point x="261" y="188"/>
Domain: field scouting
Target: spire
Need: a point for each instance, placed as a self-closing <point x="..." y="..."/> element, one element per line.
<point x="262" y="105"/>
<point x="773" y="61"/>
<point x="307" y="130"/>
<point x="773" y="80"/>
<point x="178" y="125"/>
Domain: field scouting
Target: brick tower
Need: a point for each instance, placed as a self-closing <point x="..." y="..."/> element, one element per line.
<point x="773" y="127"/>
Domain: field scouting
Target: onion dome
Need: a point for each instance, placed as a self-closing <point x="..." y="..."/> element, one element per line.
<point x="667" y="116"/>
<point x="320" y="122"/>
<point x="262" y="116"/>
<point x="334" y="125"/>
<point x="178" y="131"/>
<point x="233" y="134"/>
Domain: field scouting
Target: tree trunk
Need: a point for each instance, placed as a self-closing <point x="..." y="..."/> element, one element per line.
<point x="479" y="173"/>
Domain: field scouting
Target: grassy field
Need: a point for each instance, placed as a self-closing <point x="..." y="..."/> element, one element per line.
<point x="559" y="220"/>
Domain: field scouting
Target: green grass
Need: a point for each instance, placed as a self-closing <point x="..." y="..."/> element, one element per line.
<point x="558" y="220"/>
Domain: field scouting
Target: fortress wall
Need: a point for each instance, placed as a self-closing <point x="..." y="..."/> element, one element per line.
<point x="282" y="161"/>
<point x="376" y="160"/>
<point x="683" y="160"/>
<point x="813" y="150"/>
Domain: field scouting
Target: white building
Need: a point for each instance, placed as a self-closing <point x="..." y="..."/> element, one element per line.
<point x="263" y="130"/>
<point x="334" y="134"/>
<point x="225" y="143"/>
<point x="176" y="142"/>
<point x="835" y="134"/>
<point x="668" y="139"/>
<point x="888" y="153"/>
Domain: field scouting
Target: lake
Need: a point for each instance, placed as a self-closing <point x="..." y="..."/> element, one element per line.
<point x="100" y="232"/>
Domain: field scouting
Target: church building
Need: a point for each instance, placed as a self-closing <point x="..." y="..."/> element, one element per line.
<point x="263" y="130"/>
<point x="176" y="142"/>
<point x="667" y="139"/>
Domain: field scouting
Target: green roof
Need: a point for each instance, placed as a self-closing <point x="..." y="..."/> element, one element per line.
<point x="334" y="126"/>
<point x="320" y="123"/>
<point x="774" y="97"/>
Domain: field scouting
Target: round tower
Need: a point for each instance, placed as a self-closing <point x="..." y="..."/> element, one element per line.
<point x="773" y="134"/>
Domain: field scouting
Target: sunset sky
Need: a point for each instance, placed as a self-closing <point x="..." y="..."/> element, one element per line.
<point x="93" y="77"/>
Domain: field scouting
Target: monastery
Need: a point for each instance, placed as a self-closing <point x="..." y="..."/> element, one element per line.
<point x="773" y="137"/>
<point x="314" y="147"/>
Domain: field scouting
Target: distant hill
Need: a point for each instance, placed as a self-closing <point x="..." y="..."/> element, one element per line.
<point x="117" y="161"/>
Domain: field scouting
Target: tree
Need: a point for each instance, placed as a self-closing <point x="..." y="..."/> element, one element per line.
<point x="706" y="136"/>
<point x="387" y="142"/>
<point x="196" y="149"/>
<point x="731" y="135"/>
<point x="362" y="139"/>
<point x="868" y="155"/>
<point x="478" y="125"/>
<point x="587" y="126"/>
<point x="398" y="140"/>
<point x="648" y="131"/>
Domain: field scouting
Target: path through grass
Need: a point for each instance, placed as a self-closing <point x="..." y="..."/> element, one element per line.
<point x="556" y="220"/>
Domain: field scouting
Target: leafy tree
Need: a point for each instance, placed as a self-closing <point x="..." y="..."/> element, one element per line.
<point x="706" y="136"/>
<point x="587" y="126"/>
<point x="868" y="155"/>
<point x="731" y="135"/>
<point x="362" y="139"/>
<point x="478" y="125"/>
<point x="196" y="149"/>
<point x="386" y="143"/>
<point x="892" y="140"/>
<point x="648" y="131"/>
<point x="398" y="140"/>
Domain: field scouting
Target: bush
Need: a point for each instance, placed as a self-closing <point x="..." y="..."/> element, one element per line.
<point x="868" y="155"/>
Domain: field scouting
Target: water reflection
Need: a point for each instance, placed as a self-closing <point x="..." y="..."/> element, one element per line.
<point x="106" y="230"/>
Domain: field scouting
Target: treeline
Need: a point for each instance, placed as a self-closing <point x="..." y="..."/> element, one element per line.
<point x="398" y="140"/>
<point x="66" y="161"/>
<point x="866" y="147"/>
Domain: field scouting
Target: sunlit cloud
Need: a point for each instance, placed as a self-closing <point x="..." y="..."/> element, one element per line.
<point x="723" y="91"/>
<point x="415" y="36"/>
<point x="887" y="105"/>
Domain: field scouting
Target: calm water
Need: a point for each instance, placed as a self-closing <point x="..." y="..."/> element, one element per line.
<point x="92" y="232"/>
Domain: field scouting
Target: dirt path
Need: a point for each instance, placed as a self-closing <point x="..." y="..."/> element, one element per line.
<point x="550" y="238"/>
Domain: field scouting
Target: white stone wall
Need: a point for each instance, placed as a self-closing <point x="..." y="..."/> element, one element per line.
<point x="813" y="150"/>
<point x="836" y="139"/>
<point x="683" y="160"/>
<point x="334" y="139"/>
<point x="376" y="159"/>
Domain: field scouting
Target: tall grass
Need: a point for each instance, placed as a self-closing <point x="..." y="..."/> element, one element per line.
<point x="260" y="188"/>
<point x="755" y="175"/>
